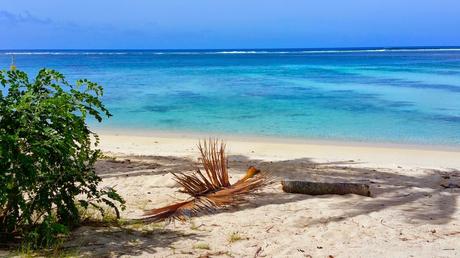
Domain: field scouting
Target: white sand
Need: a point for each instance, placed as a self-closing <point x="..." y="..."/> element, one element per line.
<point x="387" y="155"/>
<point x="409" y="215"/>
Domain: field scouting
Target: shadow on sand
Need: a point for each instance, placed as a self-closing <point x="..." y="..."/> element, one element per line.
<point x="429" y="201"/>
<point x="423" y="197"/>
<point x="104" y="241"/>
<point x="418" y="195"/>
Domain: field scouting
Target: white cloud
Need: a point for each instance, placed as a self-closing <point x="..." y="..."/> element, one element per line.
<point x="26" y="17"/>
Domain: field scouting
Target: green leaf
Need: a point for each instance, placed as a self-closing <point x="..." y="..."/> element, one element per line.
<point x="46" y="159"/>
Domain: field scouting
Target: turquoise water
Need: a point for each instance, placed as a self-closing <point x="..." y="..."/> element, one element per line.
<point x="378" y="95"/>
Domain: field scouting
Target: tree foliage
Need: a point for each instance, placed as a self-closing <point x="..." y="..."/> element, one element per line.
<point x="46" y="155"/>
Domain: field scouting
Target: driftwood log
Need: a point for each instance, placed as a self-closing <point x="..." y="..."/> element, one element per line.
<point x="317" y="188"/>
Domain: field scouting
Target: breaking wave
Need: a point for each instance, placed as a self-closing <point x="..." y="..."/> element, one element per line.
<point x="229" y="52"/>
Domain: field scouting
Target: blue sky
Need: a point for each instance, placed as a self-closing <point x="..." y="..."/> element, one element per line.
<point x="175" y="24"/>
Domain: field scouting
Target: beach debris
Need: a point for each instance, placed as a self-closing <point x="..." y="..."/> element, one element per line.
<point x="211" y="189"/>
<point x="319" y="188"/>
<point x="258" y="251"/>
<point x="450" y="185"/>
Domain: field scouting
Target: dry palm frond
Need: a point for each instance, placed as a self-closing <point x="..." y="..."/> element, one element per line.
<point x="212" y="189"/>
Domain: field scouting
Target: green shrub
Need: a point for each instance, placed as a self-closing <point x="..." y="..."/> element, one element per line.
<point x="46" y="155"/>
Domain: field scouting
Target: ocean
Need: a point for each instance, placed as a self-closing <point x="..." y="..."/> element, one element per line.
<point x="392" y="95"/>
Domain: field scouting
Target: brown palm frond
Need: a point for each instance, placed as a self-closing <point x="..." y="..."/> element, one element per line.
<point x="193" y="185"/>
<point x="214" y="162"/>
<point x="239" y="191"/>
<point x="180" y="211"/>
<point x="166" y="212"/>
<point x="211" y="190"/>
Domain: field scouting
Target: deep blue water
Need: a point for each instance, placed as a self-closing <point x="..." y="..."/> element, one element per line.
<point x="381" y="95"/>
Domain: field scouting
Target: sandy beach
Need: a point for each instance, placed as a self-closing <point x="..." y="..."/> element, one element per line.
<point x="410" y="213"/>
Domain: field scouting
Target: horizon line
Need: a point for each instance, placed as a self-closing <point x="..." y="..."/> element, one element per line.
<point x="217" y="49"/>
